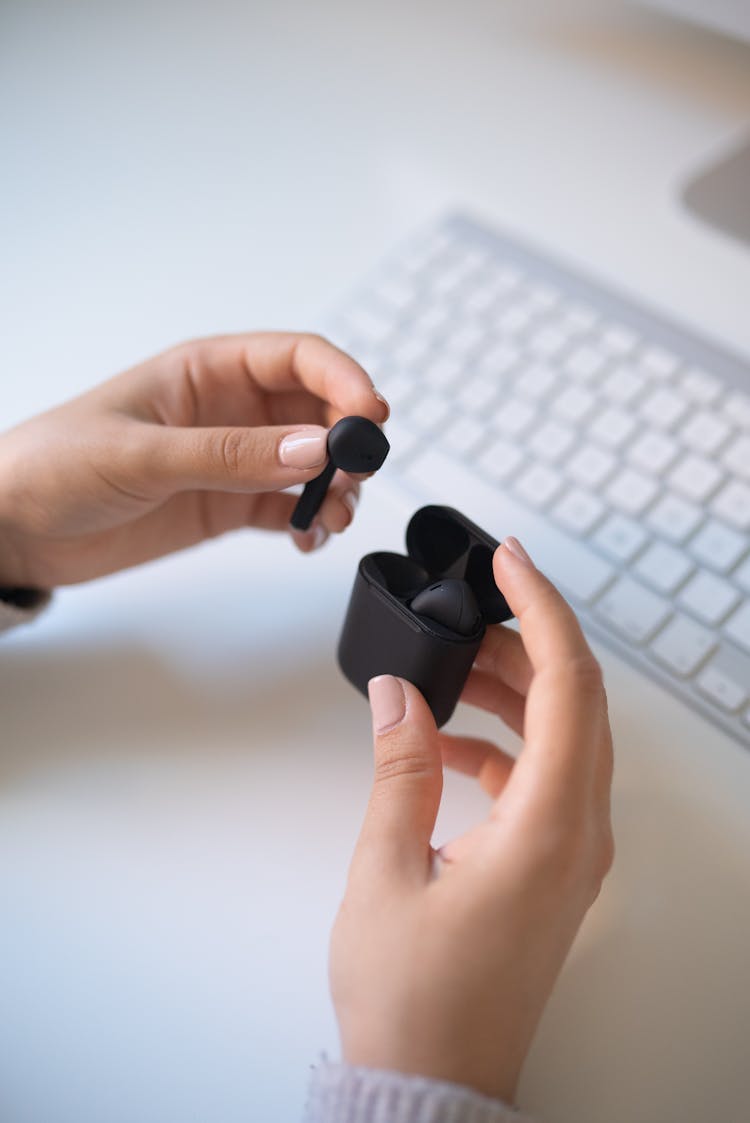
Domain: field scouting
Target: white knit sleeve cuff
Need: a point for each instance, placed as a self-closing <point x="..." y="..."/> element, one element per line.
<point x="18" y="606"/>
<point x="340" y="1093"/>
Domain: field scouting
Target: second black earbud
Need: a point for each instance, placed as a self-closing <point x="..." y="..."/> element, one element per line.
<point x="451" y="603"/>
<point x="355" y="444"/>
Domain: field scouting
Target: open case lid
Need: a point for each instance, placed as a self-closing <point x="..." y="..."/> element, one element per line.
<point x="447" y="544"/>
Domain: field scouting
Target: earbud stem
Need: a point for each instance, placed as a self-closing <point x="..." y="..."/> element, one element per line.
<point x="311" y="499"/>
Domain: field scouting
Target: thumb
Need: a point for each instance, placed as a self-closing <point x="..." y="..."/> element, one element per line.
<point x="407" y="784"/>
<point x="237" y="458"/>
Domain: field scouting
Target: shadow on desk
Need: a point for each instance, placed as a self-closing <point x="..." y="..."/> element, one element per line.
<point x="64" y="708"/>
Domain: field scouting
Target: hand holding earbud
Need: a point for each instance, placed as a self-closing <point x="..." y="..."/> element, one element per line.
<point x="202" y="439"/>
<point x="355" y="445"/>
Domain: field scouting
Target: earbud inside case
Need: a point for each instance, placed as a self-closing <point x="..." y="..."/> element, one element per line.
<point x="382" y="635"/>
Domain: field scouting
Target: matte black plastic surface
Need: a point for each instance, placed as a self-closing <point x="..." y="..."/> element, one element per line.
<point x="382" y="635"/>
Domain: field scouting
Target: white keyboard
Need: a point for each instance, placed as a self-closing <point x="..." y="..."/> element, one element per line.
<point x="613" y="444"/>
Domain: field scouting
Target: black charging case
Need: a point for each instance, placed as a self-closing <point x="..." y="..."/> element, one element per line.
<point x="381" y="635"/>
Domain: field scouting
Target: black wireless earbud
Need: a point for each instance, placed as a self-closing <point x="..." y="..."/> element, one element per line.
<point x="355" y="444"/>
<point x="451" y="603"/>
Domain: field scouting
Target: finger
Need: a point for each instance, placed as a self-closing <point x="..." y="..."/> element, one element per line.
<point x="340" y="504"/>
<point x="264" y="458"/>
<point x="484" y="761"/>
<point x="400" y="817"/>
<point x="335" y="515"/>
<point x="565" y="706"/>
<point x="503" y="655"/>
<point x="488" y="693"/>
<point x="226" y="372"/>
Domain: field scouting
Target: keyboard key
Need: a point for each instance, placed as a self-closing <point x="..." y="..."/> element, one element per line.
<point x="584" y="363"/>
<point x="653" y="451"/>
<point x="722" y="689"/>
<point x="547" y="342"/>
<point x="742" y="575"/>
<point x="590" y="465"/>
<point x="465" y="340"/>
<point x="538" y="485"/>
<point x="663" y="567"/>
<point x="477" y="394"/>
<point x="537" y="380"/>
<point x="708" y="597"/>
<point x="631" y="491"/>
<point x="683" y="645"/>
<point x="658" y="362"/>
<point x="551" y="440"/>
<point x="633" y="610"/>
<point x="579" y="511"/>
<point x="620" y="538"/>
<point x="700" y="386"/>
<point x="663" y="408"/>
<point x="674" y="517"/>
<point x="704" y="432"/>
<point x="695" y="477"/>
<point x="736" y="457"/>
<point x="463" y="435"/>
<point x="618" y="339"/>
<point x="513" y="416"/>
<point x="623" y="385"/>
<point x="499" y="358"/>
<point x="733" y="504"/>
<point x="443" y="371"/>
<point x="410" y="353"/>
<point x="612" y="427"/>
<point x="396" y="292"/>
<point x="573" y="404"/>
<point x="718" y="545"/>
<point x="578" y="317"/>
<point x="737" y="408"/>
<point x="428" y="411"/>
<point x="580" y="573"/>
<point x="543" y="297"/>
<point x="515" y="318"/>
<point x="737" y="627"/>
<point x="500" y="459"/>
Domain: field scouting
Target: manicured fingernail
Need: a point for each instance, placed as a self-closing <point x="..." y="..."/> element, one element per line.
<point x="306" y="449"/>
<point x="517" y="550"/>
<point x="382" y="401"/>
<point x="349" y="499"/>
<point x="319" y="536"/>
<point x="387" y="702"/>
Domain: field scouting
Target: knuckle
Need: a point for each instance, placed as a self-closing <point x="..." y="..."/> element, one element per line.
<point x="585" y="674"/>
<point x="398" y="760"/>
<point x="231" y="449"/>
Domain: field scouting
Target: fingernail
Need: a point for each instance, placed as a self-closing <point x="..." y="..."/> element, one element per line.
<point x="349" y="499"/>
<point x="320" y="535"/>
<point x="517" y="550"/>
<point x="382" y="401"/>
<point x="309" y="540"/>
<point x="387" y="702"/>
<point x="306" y="449"/>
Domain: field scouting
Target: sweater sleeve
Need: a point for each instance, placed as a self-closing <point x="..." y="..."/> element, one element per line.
<point x="340" y="1093"/>
<point x="17" y="606"/>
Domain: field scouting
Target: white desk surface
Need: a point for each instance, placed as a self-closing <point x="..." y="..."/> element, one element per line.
<point x="182" y="768"/>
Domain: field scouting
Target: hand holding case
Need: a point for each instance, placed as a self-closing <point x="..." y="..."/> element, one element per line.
<point x="381" y="634"/>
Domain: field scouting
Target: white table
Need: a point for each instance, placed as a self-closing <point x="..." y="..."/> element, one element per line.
<point x="182" y="768"/>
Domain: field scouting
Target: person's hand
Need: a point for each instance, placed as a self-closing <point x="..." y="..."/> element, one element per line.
<point x="441" y="964"/>
<point x="195" y="442"/>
